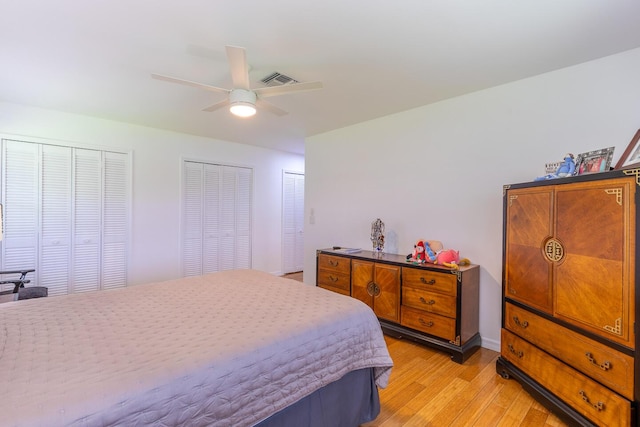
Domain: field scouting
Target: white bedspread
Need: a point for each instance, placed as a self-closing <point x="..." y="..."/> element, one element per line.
<point x="225" y="349"/>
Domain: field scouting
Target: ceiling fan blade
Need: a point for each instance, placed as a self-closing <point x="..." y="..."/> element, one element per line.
<point x="267" y="106"/>
<point x="239" y="68"/>
<point x="264" y="92"/>
<point x="190" y="83"/>
<point x="217" y="106"/>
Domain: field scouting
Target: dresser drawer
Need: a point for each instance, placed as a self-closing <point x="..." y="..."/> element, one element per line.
<point x="334" y="263"/>
<point x="434" y="324"/>
<point x="591" y="399"/>
<point x="604" y="364"/>
<point x="334" y="280"/>
<point x="429" y="301"/>
<point x="445" y="283"/>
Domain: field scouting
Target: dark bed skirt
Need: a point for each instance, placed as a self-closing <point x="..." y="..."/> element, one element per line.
<point x="348" y="402"/>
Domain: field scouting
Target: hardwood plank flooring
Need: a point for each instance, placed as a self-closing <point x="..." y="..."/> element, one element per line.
<point x="427" y="389"/>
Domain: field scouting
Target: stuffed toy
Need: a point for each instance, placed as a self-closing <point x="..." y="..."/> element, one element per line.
<point x="433" y="252"/>
<point x="451" y="258"/>
<point x="566" y="168"/>
<point x="424" y="251"/>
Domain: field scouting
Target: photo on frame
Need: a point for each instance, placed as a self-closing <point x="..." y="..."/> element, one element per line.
<point x="631" y="155"/>
<point x="594" y="161"/>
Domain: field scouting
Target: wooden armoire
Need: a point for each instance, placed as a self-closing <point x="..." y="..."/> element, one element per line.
<point x="569" y="295"/>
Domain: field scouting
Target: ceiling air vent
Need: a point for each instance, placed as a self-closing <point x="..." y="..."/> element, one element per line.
<point x="277" y="79"/>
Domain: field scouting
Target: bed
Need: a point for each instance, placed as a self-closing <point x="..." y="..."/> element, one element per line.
<point x="234" y="348"/>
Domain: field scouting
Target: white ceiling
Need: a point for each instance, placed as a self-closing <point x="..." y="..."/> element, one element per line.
<point x="375" y="57"/>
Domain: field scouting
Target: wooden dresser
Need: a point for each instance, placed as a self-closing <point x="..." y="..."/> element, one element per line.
<point x="433" y="305"/>
<point x="569" y="295"/>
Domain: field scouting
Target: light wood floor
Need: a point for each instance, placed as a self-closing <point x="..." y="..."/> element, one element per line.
<point x="426" y="389"/>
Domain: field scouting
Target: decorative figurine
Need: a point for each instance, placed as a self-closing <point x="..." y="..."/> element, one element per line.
<point x="377" y="235"/>
<point x="566" y="168"/>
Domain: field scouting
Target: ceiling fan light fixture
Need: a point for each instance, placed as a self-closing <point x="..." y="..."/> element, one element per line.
<point x="243" y="102"/>
<point x="242" y="109"/>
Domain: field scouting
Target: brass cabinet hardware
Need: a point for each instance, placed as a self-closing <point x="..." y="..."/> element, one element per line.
<point x="424" y="301"/>
<point x="553" y="250"/>
<point x="513" y="351"/>
<point x="635" y="172"/>
<point x="599" y="406"/>
<point x="616" y="192"/>
<point x="333" y="263"/>
<point x="373" y="289"/>
<point x="333" y="279"/>
<point x="616" y="329"/>
<point x="604" y="365"/>
<point x="423" y="323"/>
<point x="430" y="282"/>
<point x="523" y="324"/>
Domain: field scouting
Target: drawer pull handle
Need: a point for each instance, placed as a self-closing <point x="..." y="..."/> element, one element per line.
<point x="373" y="289"/>
<point x="523" y="325"/>
<point x="605" y="366"/>
<point x="519" y="354"/>
<point x="424" y="301"/>
<point x="333" y="263"/>
<point x="333" y="279"/>
<point x="423" y="323"/>
<point x="428" y="282"/>
<point x="599" y="406"/>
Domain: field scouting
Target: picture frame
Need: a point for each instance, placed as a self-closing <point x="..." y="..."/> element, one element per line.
<point x="594" y="161"/>
<point x="631" y="155"/>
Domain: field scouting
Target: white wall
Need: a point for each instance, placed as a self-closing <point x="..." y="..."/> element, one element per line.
<point x="437" y="172"/>
<point x="156" y="181"/>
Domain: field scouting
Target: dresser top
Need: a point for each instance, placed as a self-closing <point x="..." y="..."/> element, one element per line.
<point x="394" y="259"/>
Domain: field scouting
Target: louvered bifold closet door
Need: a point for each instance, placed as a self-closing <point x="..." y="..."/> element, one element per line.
<point x="55" y="217"/>
<point x="216" y="218"/>
<point x="20" y="240"/>
<point x="66" y="215"/>
<point x="192" y="212"/>
<point x="299" y="223"/>
<point x="115" y="222"/>
<point x="86" y="253"/>
<point x="211" y="219"/>
<point x="244" y="185"/>
<point x="293" y="222"/>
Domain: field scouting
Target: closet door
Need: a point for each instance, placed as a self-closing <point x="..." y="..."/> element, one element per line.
<point x="244" y="191"/>
<point x="293" y="222"/>
<point x="20" y="207"/>
<point x="87" y="220"/>
<point x="66" y="215"/>
<point x="55" y="217"/>
<point x="115" y="220"/>
<point x="211" y="219"/>
<point x="192" y="214"/>
<point x="216" y="218"/>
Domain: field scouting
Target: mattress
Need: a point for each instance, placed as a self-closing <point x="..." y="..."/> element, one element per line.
<point x="224" y="349"/>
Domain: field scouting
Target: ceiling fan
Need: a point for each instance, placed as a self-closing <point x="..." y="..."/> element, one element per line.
<point x="243" y="100"/>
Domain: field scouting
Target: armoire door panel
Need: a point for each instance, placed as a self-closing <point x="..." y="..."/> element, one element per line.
<point x="361" y="277"/>
<point x="527" y="272"/>
<point x="597" y="211"/>
<point x="528" y="277"/>
<point x="386" y="304"/>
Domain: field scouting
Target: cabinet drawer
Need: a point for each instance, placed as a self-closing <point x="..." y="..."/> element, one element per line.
<point x="445" y="283"/>
<point x="602" y="363"/>
<point x="334" y="263"/>
<point x="429" y="301"/>
<point x="591" y="399"/>
<point x="434" y="324"/>
<point x="337" y="290"/>
<point x="332" y="279"/>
